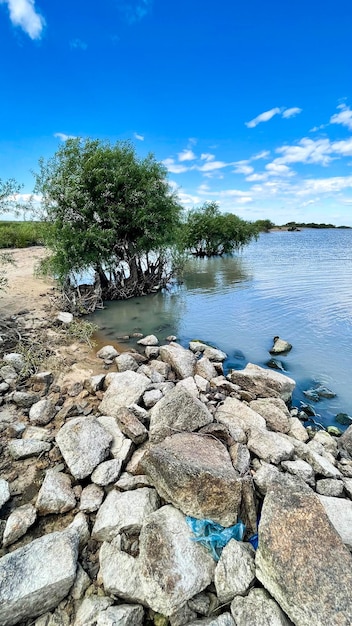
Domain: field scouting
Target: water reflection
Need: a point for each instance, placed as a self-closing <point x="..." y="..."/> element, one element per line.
<point x="216" y="274"/>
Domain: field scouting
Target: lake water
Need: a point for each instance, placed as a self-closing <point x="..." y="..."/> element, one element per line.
<point x="293" y="284"/>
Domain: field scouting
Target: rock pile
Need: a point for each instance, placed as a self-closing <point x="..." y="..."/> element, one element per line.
<point x="99" y="473"/>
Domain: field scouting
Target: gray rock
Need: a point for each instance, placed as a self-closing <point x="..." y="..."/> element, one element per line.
<point x="25" y="399"/>
<point x="181" y="360"/>
<point x="90" y="608"/>
<point x="151" y="397"/>
<point x="224" y="619"/>
<point x="235" y="571"/>
<point x="330" y="487"/>
<point x="125" y="362"/>
<point x="36" y="432"/>
<point x="4" y="492"/>
<point x="124" y="512"/>
<point x="320" y="464"/>
<point x="329" y="443"/>
<point x="177" y="411"/>
<point x="81" y="584"/>
<point x="213" y="354"/>
<point x="190" y="385"/>
<point x="149" y="340"/>
<point x="18" y="523"/>
<point x="297" y="430"/>
<point x="202" y="383"/>
<point x="120" y="573"/>
<point x="203" y="603"/>
<point x="345" y="441"/>
<point x="107" y="352"/>
<point x="8" y="374"/>
<point x="258" y="609"/>
<point x="107" y="472"/>
<point x="237" y="416"/>
<point x="122" y="615"/>
<point x="36" y="577"/>
<point x="302" y="469"/>
<point x="15" y="360"/>
<point x="240" y="458"/>
<point x="270" y="446"/>
<point x="152" y="352"/>
<point x="42" y="412"/>
<point x="25" y="448"/>
<point x="294" y="558"/>
<point x="91" y="498"/>
<point x="184" y="569"/>
<point x="64" y="317"/>
<point x="347" y="482"/>
<point x="127" y="482"/>
<point x="265" y="476"/>
<point x="280" y="346"/>
<point x="131" y="426"/>
<point x="124" y="389"/>
<point x="83" y="443"/>
<point x="205" y="368"/>
<point x="254" y="377"/>
<point x="94" y="383"/>
<point x="56" y="494"/>
<point x="339" y="512"/>
<point x="121" y="446"/>
<point x="194" y="472"/>
<point x="275" y="413"/>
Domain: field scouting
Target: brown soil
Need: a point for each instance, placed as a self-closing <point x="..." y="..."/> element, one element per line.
<point x="24" y="290"/>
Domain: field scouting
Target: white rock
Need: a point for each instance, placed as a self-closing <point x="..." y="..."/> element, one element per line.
<point x="83" y="443"/>
<point x="15" y="360"/>
<point x="82" y="582"/>
<point x="120" y="573"/>
<point x="190" y="385"/>
<point x="107" y="472"/>
<point x="42" y="412"/>
<point x="4" y="492"/>
<point x="297" y="430"/>
<point x="124" y="512"/>
<point x="121" y="446"/>
<point x="36" y="432"/>
<point x="258" y="609"/>
<point x="235" y="571"/>
<point x="107" y="352"/>
<point x="125" y="362"/>
<point x="339" y="512"/>
<point x="64" y="317"/>
<point x="36" y="577"/>
<point x="56" y="494"/>
<point x="205" y="368"/>
<point x="236" y="415"/>
<point x="302" y="469"/>
<point x="90" y="608"/>
<point x="150" y="398"/>
<point x="181" y="360"/>
<point x="25" y="448"/>
<point x="18" y="523"/>
<point x="224" y="619"/>
<point x="124" y="389"/>
<point x="122" y="615"/>
<point x="149" y="340"/>
<point x="91" y="498"/>
<point x="270" y="446"/>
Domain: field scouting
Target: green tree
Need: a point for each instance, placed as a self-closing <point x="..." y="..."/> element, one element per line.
<point x="264" y="226"/>
<point x="109" y="211"/>
<point x="208" y="232"/>
<point x="8" y="202"/>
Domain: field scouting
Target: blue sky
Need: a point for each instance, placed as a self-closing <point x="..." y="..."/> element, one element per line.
<point x="248" y="104"/>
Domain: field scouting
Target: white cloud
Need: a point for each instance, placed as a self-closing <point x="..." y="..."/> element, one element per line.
<point x="291" y="112"/>
<point x="186" y="155"/>
<point x="78" y="44"/>
<point x="23" y="14"/>
<point x="325" y="185"/>
<point x="174" y="168"/>
<point x="306" y="151"/>
<point x="263" y="117"/>
<point x="210" y="166"/>
<point x="264" y="154"/>
<point x="206" y="156"/>
<point x="139" y="137"/>
<point x="343" y="147"/>
<point x="276" y="169"/>
<point x="344" y="117"/>
<point x="243" y="167"/>
<point x="63" y="136"/>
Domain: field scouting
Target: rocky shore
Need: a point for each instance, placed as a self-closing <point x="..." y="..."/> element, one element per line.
<point x="106" y="467"/>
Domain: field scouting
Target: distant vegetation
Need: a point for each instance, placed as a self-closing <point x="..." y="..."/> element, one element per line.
<point x="294" y="225"/>
<point x="22" y="234"/>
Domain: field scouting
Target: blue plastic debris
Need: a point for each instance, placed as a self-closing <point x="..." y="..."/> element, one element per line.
<point x="213" y="535"/>
<point x="253" y="540"/>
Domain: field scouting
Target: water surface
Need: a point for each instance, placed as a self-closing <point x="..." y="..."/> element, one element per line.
<point x="296" y="285"/>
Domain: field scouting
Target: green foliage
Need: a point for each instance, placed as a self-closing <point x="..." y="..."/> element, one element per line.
<point x="82" y="331"/>
<point x="22" y="234"/>
<point x="8" y="202"/>
<point x="110" y="211"/>
<point x="208" y="232"/>
<point x="264" y="226"/>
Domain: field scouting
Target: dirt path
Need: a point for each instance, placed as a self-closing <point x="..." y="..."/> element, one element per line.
<point x="25" y="291"/>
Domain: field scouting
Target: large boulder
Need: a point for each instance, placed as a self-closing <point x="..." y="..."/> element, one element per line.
<point x="179" y="410"/>
<point x="173" y="567"/>
<point x="194" y="472"/>
<point x="270" y="446"/>
<point x="235" y="571"/>
<point x="182" y="361"/>
<point x="125" y="388"/>
<point x="263" y="382"/>
<point x="237" y="416"/>
<point x="301" y="560"/>
<point x="35" y="578"/>
<point x="275" y="413"/>
<point x="83" y="443"/>
<point x="339" y="512"/>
